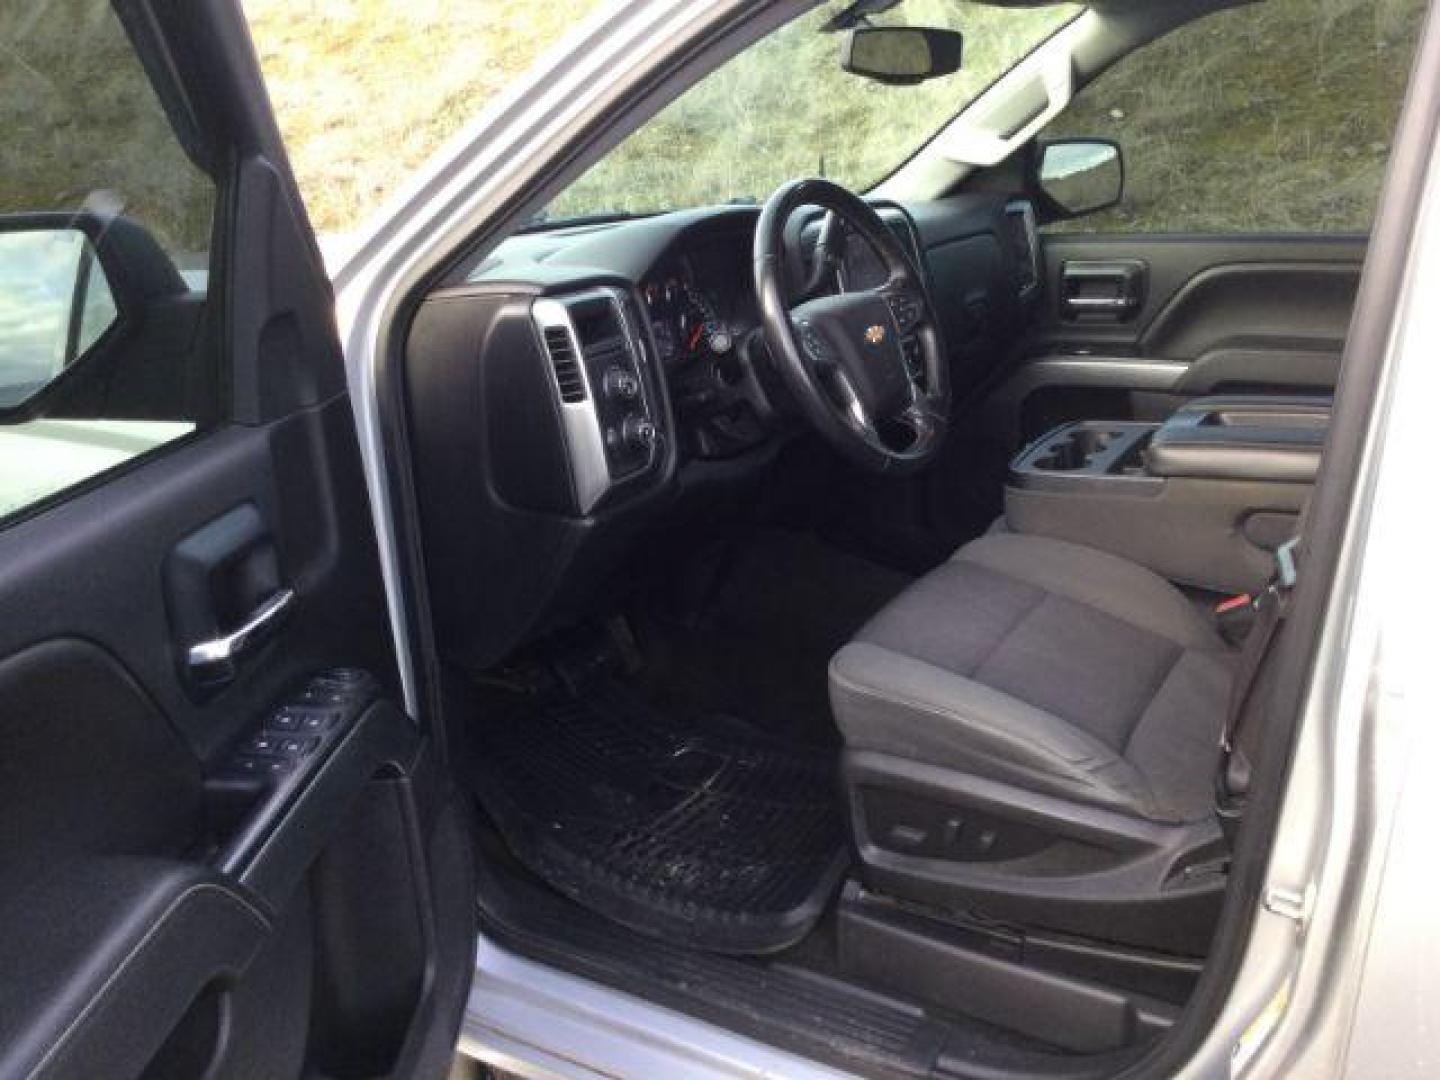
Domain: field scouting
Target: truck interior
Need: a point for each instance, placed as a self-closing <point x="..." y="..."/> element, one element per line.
<point x="854" y="611"/>
<point x="845" y="607"/>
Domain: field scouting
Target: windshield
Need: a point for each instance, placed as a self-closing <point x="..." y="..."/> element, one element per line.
<point x="784" y="108"/>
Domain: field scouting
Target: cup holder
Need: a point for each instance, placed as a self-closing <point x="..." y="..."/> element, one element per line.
<point x="1086" y="454"/>
<point x="1076" y="449"/>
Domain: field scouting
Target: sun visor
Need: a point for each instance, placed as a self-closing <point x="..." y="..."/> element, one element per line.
<point x="1010" y="115"/>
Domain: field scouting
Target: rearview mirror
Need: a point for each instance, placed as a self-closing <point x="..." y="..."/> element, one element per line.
<point x="901" y="55"/>
<point x="1080" y="176"/>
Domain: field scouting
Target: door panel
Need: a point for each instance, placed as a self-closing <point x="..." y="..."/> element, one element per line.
<point x="1202" y="315"/>
<point x="1202" y="294"/>
<point x="1215" y="314"/>
<point x="253" y="870"/>
<point x="139" y="886"/>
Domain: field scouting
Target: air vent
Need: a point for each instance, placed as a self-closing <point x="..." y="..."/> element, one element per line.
<point x="568" y="375"/>
<point x="1024" y="246"/>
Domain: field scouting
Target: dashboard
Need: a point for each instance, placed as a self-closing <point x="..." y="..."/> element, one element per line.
<point x="578" y="389"/>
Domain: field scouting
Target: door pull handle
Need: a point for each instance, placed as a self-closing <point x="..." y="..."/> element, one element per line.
<point x="1102" y="303"/>
<point x="215" y="661"/>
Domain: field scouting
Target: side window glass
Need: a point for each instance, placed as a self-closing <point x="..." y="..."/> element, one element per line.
<point x="105" y="235"/>
<point x="1272" y="117"/>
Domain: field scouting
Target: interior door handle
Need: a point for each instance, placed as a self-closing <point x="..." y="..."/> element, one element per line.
<point x="1102" y="303"/>
<point x="215" y="661"/>
<point x="1112" y="290"/>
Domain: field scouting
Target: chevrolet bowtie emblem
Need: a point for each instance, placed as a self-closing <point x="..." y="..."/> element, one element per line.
<point x="875" y="334"/>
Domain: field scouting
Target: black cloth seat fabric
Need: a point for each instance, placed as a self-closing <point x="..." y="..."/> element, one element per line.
<point x="1050" y="666"/>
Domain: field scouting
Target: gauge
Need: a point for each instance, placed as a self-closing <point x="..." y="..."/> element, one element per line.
<point x="700" y="327"/>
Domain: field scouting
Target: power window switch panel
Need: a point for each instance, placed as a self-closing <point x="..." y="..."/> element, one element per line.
<point x="315" y="721"/>
<point x="284" y="720"/>
<point x="255" y="765"/>
<point x="303" y="720"/>
<point x="323" y="695"/>
<point x="262" y="744"/>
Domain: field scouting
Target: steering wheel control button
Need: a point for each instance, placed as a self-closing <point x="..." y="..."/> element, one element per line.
<point x="813" y="342"/>
<point x="914" y="358"/>
<point x="906" y="309"/>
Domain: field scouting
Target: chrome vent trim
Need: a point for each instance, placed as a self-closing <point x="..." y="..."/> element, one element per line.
<point x="576" y="396"/>
<point x="584" y="443"/>
<point x="565" y="360"/>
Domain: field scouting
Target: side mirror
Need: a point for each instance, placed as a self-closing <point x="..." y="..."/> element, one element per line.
<point x="1080" y="176"/>
<point x="901" y="55"/>
<point x="55" y="303"/>
<point x="70" y="285"/>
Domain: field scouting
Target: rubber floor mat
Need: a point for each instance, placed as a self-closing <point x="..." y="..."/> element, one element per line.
<point x="715" y="838"/>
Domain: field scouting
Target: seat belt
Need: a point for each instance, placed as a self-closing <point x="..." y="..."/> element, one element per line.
<point x="1232" y="779"/>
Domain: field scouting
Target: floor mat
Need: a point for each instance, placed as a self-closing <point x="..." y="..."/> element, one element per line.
<point x="703" y="835"/>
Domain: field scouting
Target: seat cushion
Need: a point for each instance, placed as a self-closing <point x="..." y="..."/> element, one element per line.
<point x="1048" y="665"/>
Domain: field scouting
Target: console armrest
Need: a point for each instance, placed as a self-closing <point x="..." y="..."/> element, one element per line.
<point x="1242" y="438"/>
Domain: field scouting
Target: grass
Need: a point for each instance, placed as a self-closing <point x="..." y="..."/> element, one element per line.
<point x="82" y="125"/>
<point x="1268" y="118"/>
<point x="784" y="108"/>
<point x="1276" y="116"/>
<point x="416" y="71"/>
<point x="367" y="90"/>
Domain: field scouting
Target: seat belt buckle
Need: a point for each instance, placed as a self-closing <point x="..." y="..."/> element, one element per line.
<point x="1285" y="572"/>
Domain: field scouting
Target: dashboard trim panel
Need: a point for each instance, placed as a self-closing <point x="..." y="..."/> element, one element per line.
<point x="580" y="420"/>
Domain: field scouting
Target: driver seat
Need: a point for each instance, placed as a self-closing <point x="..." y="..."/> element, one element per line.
<point x="1031" y="730"/>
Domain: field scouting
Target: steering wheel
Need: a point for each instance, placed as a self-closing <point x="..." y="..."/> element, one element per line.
<point x="866" y="368"/>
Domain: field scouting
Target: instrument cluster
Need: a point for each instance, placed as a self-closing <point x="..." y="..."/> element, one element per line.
<point x="685" y="319"/>
<point x="701" y="300"/>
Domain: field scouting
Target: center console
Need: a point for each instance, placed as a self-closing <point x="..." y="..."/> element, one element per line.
<point x="1204" y="498"/>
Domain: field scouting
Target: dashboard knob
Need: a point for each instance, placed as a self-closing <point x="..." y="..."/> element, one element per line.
<point x="639" y="431"/>
<point x="622" y="384"/>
